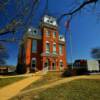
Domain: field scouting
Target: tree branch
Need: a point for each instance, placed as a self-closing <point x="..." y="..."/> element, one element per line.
<point x="14" y="24"/>
<point x="86" y="2"/>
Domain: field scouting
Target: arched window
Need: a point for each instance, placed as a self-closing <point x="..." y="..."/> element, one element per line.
<point x="47" y="63"/>
<point x="34" y="63"/>
<point x="61" y="63"/>
<point x="54" y="65"/>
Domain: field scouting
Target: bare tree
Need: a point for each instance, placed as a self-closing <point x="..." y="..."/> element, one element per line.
<point x="3" y="54"/>
<point x="78" y="8"/>
<point x="22" y="17"/>
<point x="25" y="12"/>
<point x="95" y="53"/>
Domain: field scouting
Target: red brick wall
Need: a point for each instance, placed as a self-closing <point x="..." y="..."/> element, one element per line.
<point x="28" y="51"/>
<point x="41" y="47"/>
<point x="52" y="40"/>
<point x="37" y="55"/>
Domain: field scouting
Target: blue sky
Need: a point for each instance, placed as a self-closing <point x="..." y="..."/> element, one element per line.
<point x="85" y="28"/>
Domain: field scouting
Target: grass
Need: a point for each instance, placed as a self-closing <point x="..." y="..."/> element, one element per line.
<point x="82" y="89"/>
<point x="7" y="81"/>
<point x="76" y="90"/>
<point x="46" y="79"/>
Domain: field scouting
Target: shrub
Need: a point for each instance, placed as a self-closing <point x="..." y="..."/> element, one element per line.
<point x="67" y="73"/>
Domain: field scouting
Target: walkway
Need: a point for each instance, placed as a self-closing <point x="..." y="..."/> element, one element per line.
<point x="13" y="89"/>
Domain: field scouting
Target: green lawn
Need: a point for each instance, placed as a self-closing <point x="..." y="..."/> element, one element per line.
<point x="82" y="89"/>
<point x="48" y="78"/>
<point x="6" y="81"/>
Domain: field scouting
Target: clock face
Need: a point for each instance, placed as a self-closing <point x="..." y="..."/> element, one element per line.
<point x="50" y="20"/>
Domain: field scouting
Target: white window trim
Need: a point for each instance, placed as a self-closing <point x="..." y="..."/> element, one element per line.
<point x="34" y="58"/>
<point x="60" y="60"/>
<point x="54" y="43"/>
<point x="47" y="42"/>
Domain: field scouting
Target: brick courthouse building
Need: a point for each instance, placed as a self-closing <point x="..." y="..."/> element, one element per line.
<point x="43" y="48"/>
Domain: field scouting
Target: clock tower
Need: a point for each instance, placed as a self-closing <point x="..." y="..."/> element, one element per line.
<point x="51" y="42"/>
<point x="43" y="48"/>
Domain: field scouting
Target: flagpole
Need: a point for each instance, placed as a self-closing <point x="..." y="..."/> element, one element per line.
<point x="71" y="48"/>
<point x="70" y="37"/>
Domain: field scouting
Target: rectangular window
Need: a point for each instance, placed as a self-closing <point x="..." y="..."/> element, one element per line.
<point x="47" y="33"/>
<point x="54" y="34"/>
<point x="34" y="46"/>
<point x="54" y="48"/>
<point x="47" y="47"/>
<point x="61" y="64"/>
<point x="33" y="63"/>
<point x="60" y="49"/>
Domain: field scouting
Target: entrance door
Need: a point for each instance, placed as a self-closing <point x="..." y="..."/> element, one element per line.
<point x="54" y="65"/>
<point x="34" y="64"/>
<point x="47" y="64"/>
<point x="61" y="64"/>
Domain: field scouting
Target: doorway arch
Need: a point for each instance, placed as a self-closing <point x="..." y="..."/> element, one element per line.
<point x="54" y="65"/>
<point x="47" y="64"/>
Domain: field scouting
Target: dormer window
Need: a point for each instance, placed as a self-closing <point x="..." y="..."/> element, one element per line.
<point x="29" y="30"/>
<point x="48" y="21"/>
<point x="34" y="31"/>
<point x="61" y="37"/>
<point x="51" y="21"/>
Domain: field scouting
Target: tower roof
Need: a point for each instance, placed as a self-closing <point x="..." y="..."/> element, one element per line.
<point x="49" y="20"/>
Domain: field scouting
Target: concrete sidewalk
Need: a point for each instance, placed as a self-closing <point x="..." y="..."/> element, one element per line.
<point x="13" y="89"/>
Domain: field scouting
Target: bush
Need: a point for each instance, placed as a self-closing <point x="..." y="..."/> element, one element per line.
<point x="74" y="72"/>
<point x="82" y="71"/>
<point x="67" y="73"/>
